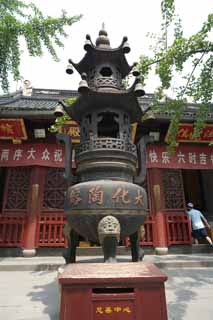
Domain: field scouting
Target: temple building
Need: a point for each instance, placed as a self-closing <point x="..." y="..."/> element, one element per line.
<point x="32" y="165"/>
<point x="32" y="189"/>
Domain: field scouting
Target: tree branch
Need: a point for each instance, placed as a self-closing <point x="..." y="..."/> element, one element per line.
<point x="189" y="53"/>
<point x="193" y="70"/>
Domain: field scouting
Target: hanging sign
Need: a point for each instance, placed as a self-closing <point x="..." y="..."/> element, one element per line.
<point x="49" y="155"/>
<point x="185" y="132"/>
<point x="185" y="157"/>
<point x="13" y="129"/>
<point x="71" y="128"/>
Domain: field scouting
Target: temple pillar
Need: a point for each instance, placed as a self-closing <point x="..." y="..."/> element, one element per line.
<point x="162" y="243"/>
<point x="29" y="247"/>
<point x="158" y="206"/>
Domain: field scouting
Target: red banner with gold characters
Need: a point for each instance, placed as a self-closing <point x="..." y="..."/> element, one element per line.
<point x="12" y="129"/>
<point x="185" y="157"/>
<point x="185" y="132"/>
<point x="48" y="155"/>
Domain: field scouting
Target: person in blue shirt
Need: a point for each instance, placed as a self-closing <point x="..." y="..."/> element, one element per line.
<point x="198" y="224"/>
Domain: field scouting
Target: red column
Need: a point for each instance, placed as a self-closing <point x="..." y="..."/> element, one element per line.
<point x="161" y="233"/>
<point x="33" y="214"/>
<point x="158" y="206"/>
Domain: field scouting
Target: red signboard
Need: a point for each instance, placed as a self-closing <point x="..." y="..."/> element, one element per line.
<point x="72" y="128"/>
<point x="185" y="133"/>
<point x="50" y="155"/>
<point x="185" y="157"/>
<point x="12" y="129"/>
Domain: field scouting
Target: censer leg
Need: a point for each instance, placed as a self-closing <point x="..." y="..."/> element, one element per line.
<point x="109" y="246"/>
<point x="70" y="253"/>
<point x="136" y="250"/>
<point x="109" y="235"/>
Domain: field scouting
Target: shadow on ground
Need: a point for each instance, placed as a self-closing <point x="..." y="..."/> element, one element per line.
<point x="48" y="295"/>
<point x="185" y="285"/>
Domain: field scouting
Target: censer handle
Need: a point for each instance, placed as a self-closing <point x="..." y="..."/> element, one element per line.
<point x="66" y="139"/>
<point x="141" y="148"/>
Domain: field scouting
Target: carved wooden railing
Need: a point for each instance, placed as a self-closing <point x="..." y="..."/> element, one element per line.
<point x="148" y="239"/>
<point x="11" y="230"/>
<point x="178" y="227"/>
<point x="50" y="230"/>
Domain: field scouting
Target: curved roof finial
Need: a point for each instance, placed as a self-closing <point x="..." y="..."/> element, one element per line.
<point x="103" y="40"/>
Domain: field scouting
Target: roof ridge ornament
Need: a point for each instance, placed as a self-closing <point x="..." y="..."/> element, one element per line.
<point x="27" y="88"/>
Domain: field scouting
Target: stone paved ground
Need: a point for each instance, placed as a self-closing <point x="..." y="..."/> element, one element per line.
<point x="189" y="293"/>
<point x="39" y="263"/>
<point x="28" y="295"/>
<point x="33" y="295"/>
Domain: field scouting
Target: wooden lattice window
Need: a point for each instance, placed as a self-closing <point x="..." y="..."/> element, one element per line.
<point x="173" y="189"/>
<point x="54" y="189"/>
<point x="17" y="188"/>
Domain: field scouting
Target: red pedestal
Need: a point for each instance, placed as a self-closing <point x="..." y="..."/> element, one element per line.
<point x="118" y="291"/>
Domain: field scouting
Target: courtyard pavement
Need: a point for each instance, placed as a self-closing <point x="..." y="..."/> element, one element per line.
<point x="29" y="288"/>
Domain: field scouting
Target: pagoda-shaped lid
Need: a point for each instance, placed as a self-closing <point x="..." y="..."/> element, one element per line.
<point x="102" y="70"/>
<point x="101" y="51"/>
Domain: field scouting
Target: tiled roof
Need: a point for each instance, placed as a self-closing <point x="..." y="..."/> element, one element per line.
<point x="41" y="100"/>
<point x="190" y="113"/>
<point x="29" y="104"/>
<point x="44" y="101"/>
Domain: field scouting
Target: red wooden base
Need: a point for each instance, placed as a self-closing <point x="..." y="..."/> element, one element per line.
<point x="118" y="291"/>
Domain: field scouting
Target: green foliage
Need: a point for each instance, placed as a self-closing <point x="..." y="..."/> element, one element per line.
<point x="18" y="19"/>
<point x="168" y="11"/>
<point x="125" y="83"/>
<point x="59" y="121"/>
<point x="170" y="59"/>
<point x="70" y="101"/>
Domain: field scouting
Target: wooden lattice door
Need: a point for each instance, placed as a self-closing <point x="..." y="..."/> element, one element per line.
<point x="54" y="189"/>
<point x="173" y="189"/>
<point x="177" y="222"/>
<point x="16" y="193"/>
<point x="52" y="219"/>
<point x="15" y="206"/>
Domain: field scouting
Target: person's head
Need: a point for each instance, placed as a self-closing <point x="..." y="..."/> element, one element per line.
<point x="190" y="206"/>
